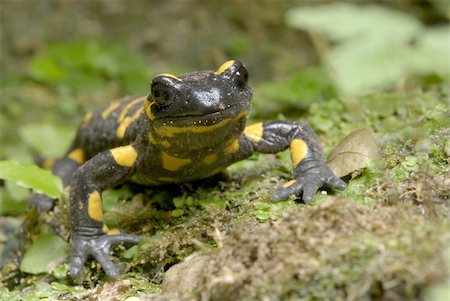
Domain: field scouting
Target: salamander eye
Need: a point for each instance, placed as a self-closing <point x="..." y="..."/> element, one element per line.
<point x="162" y="94"/>
<point x="235" y="71"/>
<point x="241" y="77"/>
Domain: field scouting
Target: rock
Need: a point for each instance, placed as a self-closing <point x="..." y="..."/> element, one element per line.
<point x="182" y="279"/>
<point x="423" y="145"/>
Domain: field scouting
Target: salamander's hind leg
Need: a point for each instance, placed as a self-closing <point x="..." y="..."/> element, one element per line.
<point x="63" y="168"/>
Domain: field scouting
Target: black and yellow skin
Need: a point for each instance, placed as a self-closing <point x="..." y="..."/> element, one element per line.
<point x="190" y="127"/>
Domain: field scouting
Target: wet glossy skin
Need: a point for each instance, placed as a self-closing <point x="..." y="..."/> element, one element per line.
<point x="190" y="127"/>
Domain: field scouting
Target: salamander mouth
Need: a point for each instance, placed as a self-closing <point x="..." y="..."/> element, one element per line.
<point x="202" y="120"/>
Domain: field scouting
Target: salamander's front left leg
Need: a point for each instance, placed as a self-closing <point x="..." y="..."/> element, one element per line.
<point x="89" y="234"/>
<point x="63" y="168"/>
<point x="310" y="169"/>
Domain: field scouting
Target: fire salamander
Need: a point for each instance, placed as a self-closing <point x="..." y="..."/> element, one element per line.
<point x="190" y="127"/>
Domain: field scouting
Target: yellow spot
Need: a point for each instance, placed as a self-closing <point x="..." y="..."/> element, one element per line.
<point x="95" y="210"/>
<point x="232" y="147"/>
<point x="87" y="117"/>
<point x="173" y="163"/>
<point x="77" y="155"/>
<point x="143" y="180"/>
<point x="299" y="149"/>
<point x="153" y="141"/>
<point x="254" y="132"/>
<point x="120" y="133"/>
<point x="170" y="131"/>
<point x="124" y="155"/>
<point x="171" y="76"/>
<point x="224" y="67"/>
<point x="48" y="164"/>
<point x="167" y="179"/>
<point x="114" y="231"/>
<point x="148" y="109"/>
<point x="210" y="159"/>
<point x="129" y="105"/>
<point x="108" y="231"/>
<point x="124" y="124"/>
<point x="165" y="143"/>
<point x="287" y="184"/>
<point x="216" y="171"/>
<point x="110" y="109"/>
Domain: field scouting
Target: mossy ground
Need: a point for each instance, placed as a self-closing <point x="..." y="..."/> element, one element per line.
<point x="385" y="237"/>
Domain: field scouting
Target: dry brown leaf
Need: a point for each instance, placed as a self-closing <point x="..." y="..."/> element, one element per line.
<point x="352" y="153"/>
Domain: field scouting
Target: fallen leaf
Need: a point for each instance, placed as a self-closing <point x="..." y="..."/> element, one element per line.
<point x="353" y="153"/>
<point x="31" y="176"/>
<point x="44" y="255"/>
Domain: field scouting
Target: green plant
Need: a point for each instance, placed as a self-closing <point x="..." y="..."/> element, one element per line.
<point x="375" y="47"/>
<point x="88" y="65"/>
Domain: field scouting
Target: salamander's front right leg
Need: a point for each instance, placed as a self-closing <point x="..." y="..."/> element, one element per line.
<point x="89" y="233"/>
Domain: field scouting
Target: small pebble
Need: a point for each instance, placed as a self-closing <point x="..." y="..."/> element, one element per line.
<point x="133" y="299"/>
<point x="423" y="145"/>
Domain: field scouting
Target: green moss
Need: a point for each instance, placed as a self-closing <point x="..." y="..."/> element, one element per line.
<point x="439" y="152"/>
<point x="358" y="189"/>
<point x="42" y="291"/>
<point x="271" y="211"/>
<point x="337" y="251"/>
<point x="139" y="284"/>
